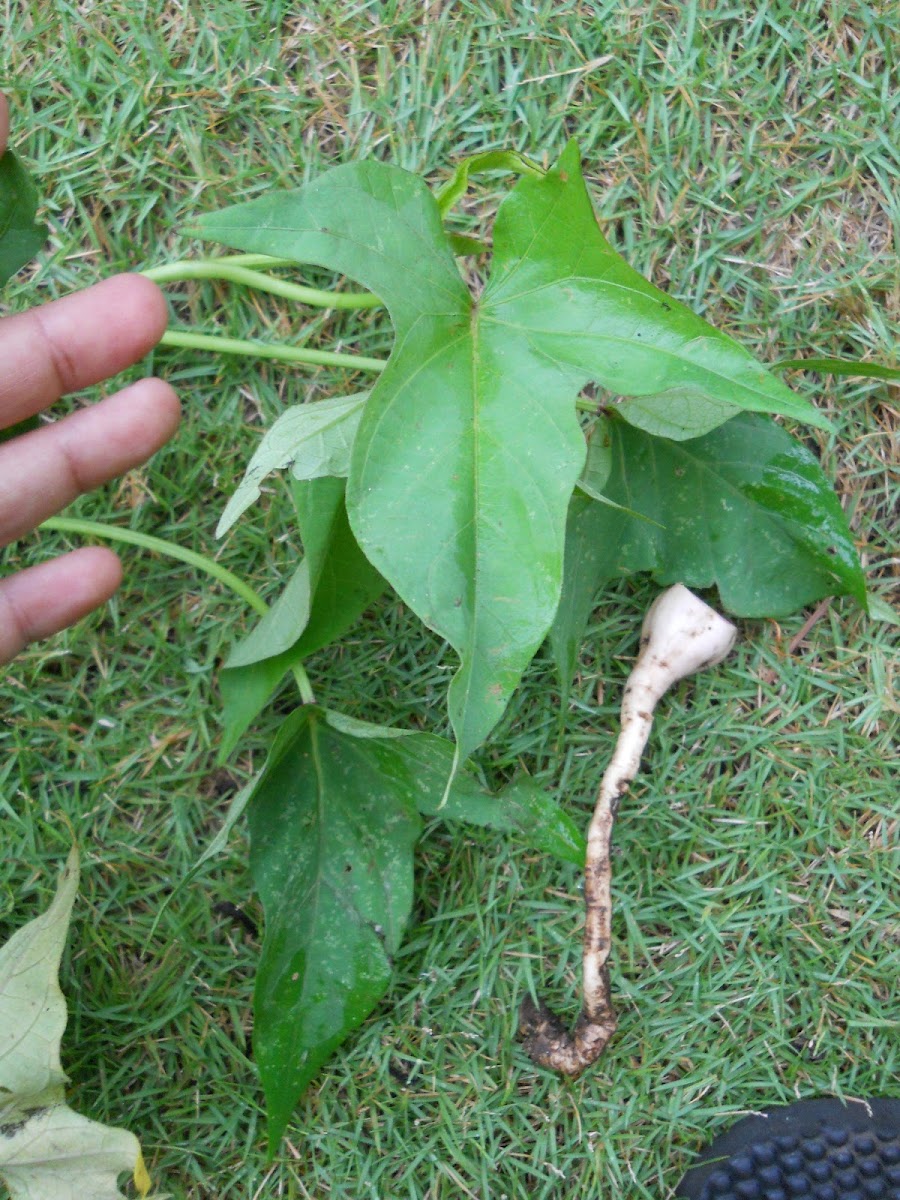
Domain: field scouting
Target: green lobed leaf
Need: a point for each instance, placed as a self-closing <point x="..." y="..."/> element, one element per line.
<point x="597" y="467"/>
<point x="346" y="583"/>
<point x="525" y="810"/>
<point x="312" y="439"/>
<point x="332" y="826"/>
<point x="587" y="568"/>
<point x="333" y="820"/>
<point x="48" y="1151"/>
<point x="330" y="589"/>
<point x="245" y="692"/>
<point x="463" y="246"/>
<point x="540" y="822"/>
<point x="468" y="449"/>
<point x="282" y="625"/>
<point x="522" y="808"/>
<point x="746" y="509"/>
<point x="21" y="237"/>
<point x="558" y="283"/>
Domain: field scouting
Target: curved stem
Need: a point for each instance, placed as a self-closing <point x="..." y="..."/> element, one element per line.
<point x="491" y="160"/>
<point x="240" y="272"/>
<point x="251" y="349"/>
<point x="145" y="541"/>
<point x="583" y="404"/>
<point x="304" y="687"/>
<point x="114" y="533"/>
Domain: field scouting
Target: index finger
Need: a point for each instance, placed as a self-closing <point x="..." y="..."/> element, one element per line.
<point x="74" y="342"/>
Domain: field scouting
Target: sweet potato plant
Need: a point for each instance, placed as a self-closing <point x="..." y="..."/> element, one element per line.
<point x="547" y="421"/>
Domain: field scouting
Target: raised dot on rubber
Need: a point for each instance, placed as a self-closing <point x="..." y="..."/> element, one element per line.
<point x="846" y="1179"/>
<point x="798" y="1185"/>
<point x="771" y="1175"/>
<point x="763" y="1152"/>
<point x="748" y="1189"/>
<point x="868" y="1167"/>
<point x="719" y="1183"/>
<point x="742" y="1166"/>
<point x="875" y="1189"/>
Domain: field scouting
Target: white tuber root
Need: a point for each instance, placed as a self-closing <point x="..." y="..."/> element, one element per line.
<point x="680" y="635"/>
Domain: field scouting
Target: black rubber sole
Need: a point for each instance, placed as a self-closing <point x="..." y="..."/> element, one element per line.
<point x="811" y="1150"/>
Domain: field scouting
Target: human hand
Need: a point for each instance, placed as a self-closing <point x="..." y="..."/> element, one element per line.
<point x="46" y="352"/>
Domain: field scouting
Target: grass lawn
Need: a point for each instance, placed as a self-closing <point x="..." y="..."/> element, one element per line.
<point x="746" y="159"/>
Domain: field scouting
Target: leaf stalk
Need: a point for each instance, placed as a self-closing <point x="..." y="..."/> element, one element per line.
<point x="115" y="533"/>
<point x="185" y="339"/>
<point x="201" y="562"/>
<point x="233" y="271"/>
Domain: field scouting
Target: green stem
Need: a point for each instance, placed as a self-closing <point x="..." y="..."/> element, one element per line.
<point x="240" y="272"/>
<point x="115" y="533"/>
<point x="227" y="345"/>
<point x="491" y="160"/>
<point x="307" y="695"/>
